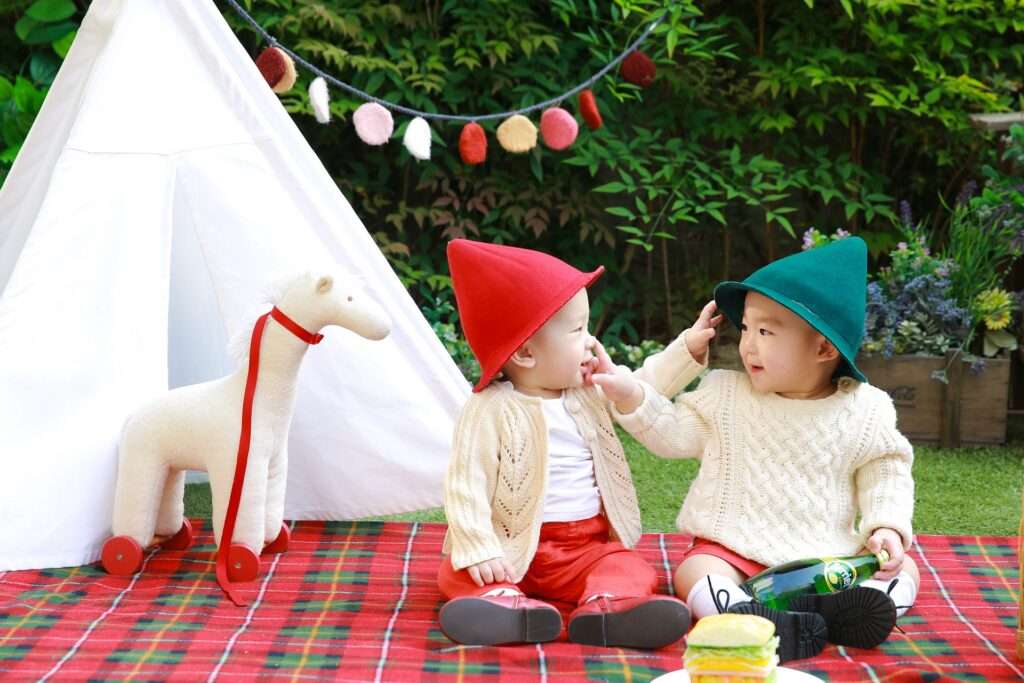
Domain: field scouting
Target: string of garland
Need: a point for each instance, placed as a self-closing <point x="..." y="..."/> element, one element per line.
<point x="517" y="134"/>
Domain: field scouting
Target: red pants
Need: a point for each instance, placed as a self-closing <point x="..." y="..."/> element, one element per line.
<point x="702" y="546"/>
<point x="574" y="561"/>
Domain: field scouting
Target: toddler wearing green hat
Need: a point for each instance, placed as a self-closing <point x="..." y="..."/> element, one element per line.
<point x="800" y="456"/>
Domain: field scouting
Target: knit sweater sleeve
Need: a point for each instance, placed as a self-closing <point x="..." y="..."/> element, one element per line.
<point x="671" y="370"/>
<point x="885" y="485"/>
<point x="674" y="430"/>
<point x="470" y="483"/>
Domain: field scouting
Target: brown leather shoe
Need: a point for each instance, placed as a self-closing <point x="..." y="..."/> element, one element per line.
<point x="496" y="620"/>
<point x="649" y="622"/>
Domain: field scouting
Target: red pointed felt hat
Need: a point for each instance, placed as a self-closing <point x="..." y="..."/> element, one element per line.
<point x="505" y="294"/>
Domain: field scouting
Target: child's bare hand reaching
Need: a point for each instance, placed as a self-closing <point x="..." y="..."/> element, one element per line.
<point x="699" y="336"/>
<point x="491" y="571"/>
<point x="617" y="382"/>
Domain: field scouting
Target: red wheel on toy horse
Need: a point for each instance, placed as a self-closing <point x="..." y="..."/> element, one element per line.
<point x="279" y="544"/>
<point x="243" y="563"/>
<point x="183" y="539"/>
<point x="121" y="556"/>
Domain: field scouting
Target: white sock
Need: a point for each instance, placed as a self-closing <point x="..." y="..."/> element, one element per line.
<point x="714" y="594"/>
<point x="501" y="592"/>
<point x="901" y="589"/>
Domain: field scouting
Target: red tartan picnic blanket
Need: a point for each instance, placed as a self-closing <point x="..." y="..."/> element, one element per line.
<point x="357" y="601"/>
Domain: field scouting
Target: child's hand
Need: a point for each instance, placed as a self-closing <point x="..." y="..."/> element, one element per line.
<point x="617" y="382"/>
<point x="703" y="331"/>
<point x="893" y="544"/>
<point x="490" y="571"/>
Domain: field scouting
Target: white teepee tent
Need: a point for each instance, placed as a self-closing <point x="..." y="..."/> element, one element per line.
<point x="161" y="188"/>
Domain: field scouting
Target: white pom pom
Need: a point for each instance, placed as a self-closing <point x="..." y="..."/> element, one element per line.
<point x="374" y="124"/>
<point x="417" y="138"/>
<point x="319" y="99"/>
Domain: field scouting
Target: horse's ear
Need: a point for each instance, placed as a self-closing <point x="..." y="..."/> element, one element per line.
<point x="324" y="284"/>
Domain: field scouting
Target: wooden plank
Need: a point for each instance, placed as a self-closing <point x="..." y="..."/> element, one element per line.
<point x="952" y="391"/>
<point x="925" y="406"/>
<point x="996" y="122"/>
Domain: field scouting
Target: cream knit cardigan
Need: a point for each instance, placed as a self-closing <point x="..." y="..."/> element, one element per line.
<point x="497" y="477"/>
<point x="781" y="479"/>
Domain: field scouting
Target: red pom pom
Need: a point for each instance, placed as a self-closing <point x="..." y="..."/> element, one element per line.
<point x="589" y="111"/>
<point x="638" y="69"/>
<point x="277" y="68"/>
<point x="558" y="128"/>
<point x="473" y="144"/>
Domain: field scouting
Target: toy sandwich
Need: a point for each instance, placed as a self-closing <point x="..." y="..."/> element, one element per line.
<point x="739" y="648"/>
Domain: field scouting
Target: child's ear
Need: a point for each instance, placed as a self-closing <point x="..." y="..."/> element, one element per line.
<point x="523" y="357"/>
<point x="827" y="351"/>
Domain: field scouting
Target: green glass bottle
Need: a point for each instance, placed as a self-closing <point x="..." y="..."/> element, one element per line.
<point x="776" y="586"/>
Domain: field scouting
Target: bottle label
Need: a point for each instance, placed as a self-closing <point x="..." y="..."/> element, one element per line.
<point x="839" y="575"/>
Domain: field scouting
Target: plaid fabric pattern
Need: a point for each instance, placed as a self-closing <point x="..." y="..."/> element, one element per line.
<point x="357" y="601"/>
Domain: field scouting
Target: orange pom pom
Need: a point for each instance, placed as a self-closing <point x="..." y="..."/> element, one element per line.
<point x="589" y="111"/>
<point x="473" y="144"/>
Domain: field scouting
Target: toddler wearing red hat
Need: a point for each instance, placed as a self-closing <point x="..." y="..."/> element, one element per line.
<point x="538" y="495"/>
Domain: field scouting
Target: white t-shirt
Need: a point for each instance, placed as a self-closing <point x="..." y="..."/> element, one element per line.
<point x="572" y="488"/>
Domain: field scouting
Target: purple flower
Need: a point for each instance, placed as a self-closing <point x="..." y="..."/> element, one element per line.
<point x="808" y="239"/>
<point x="902" y="246"/>
<point x="905" y="216"/>
<point x="967" y="190"/>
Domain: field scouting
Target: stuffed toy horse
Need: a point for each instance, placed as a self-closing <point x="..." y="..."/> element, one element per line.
<point x="197" y="428"/>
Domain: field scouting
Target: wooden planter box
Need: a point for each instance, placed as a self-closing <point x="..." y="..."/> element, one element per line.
<point x="969" y="410"/>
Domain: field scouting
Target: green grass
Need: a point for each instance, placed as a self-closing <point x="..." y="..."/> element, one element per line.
<point x="959" y="491"/>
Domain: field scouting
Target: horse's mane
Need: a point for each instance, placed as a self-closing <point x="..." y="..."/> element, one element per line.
<point x="238" y="346"/>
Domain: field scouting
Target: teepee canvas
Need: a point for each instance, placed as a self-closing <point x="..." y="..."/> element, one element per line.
<point x="162" y="187"/>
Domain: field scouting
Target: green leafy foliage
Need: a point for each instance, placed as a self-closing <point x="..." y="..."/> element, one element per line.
<point x="764" y="118"/>
<point x="41" y="37"/>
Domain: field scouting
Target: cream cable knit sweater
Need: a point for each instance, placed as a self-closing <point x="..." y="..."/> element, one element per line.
<point x="781" y="479"/>
<point x="497" y="478"/>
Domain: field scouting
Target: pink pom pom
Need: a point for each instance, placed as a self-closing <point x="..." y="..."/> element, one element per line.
<point x="558" y="128"/>
<point x="374" y="124"/>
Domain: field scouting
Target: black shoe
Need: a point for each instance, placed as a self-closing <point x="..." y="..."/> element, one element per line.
<point x="858" y="617"/>
<point x="648" y="623"/>
<point x="801" y="634"/>
<point x="499" y="620"/>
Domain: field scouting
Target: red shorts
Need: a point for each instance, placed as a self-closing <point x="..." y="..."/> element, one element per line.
<point x="702" y="546"/>
<point x="574" y="560"/>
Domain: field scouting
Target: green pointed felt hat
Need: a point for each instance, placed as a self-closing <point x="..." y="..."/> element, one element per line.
<point x="826" y="286"/>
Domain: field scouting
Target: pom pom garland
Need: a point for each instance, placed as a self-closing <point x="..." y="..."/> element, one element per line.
<point x="558" y="128"/>
<point x="277" y="68"/>
<point x="373" y="123"/>
<point x="589" y="111"/>
<point x="473" y="144"/>
<point x="638" y="69"/>
<point x="319" y="100"/>
<point x="517" y="134"/>
<point x="417" y="138"/>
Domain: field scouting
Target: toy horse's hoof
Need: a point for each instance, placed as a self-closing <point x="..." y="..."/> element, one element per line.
<point x="183" y="539"/>
<point x="243" y="563"/>
<point x="122" y="555"/>
<point x="279" y="544"/>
